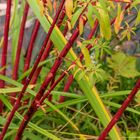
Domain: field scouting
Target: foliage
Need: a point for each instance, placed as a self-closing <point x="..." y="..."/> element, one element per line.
<point x="85" y="42"/>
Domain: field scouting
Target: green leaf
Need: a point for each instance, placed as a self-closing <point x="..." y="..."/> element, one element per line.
<point x="86" y="54"/>
<point x="90" y="16"/>
<point x="123" y="65"/>
<point x="135" y="2"/>
<point x="137" y="19"/>
<point x="76" y="16"/>
<point x="104" y="21"/>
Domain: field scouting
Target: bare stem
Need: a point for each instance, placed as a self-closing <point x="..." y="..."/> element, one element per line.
<point x="20" y="42"/>
<point x="66" y="87"/>
<point x="30" y="47"/>
<point x="19" y="47"/>
<point x="5" y="46"/>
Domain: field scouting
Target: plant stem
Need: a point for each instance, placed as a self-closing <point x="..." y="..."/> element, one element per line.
<point x="5" y="46"/>
<point x="30" y="47"/>
<point x="66" y="87"/>
<point x="47" y="50"/>
<point x="5" y="43"/>
<point x="119" y="113"/>
<point x="18" y="52"/>
<point x="28" y="79"/>
<point x="51" y="88"/>
<point x="20" y="42"/>
<point x="94" y="29"/>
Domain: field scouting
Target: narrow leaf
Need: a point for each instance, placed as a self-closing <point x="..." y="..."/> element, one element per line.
<point x="69" y="8"/>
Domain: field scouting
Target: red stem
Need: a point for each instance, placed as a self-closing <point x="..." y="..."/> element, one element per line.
<point x="29" y="51"/>
<point x="51" y="88"/>
<point x="44" y="56"/>
<point x="18" y="52"/>
<point x="30" y="47"/>
<point x="5" y="43"/>
<point x="47" y="50"/>
<point x="20" y="41"/>
<point x="5" y="46"/>
<point x="61" y="18"/>
<point x="66" y="87"/>
<point x="93" y="30"/>
<point x="120" y="111"/>
<point x="28" y="79"/>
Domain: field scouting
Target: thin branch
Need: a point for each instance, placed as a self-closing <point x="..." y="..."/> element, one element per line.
<point x="5" y="46"/>
<point x="19" y="47"/>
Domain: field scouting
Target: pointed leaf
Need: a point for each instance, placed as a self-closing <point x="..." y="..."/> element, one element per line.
<point x="69" y="8"/>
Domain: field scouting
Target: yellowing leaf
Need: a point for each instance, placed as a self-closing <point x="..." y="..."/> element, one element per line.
<point x="104" y="21"/>
<point x="69" y="25"/>
<point x="126" y="1"/>
<point x="80" y="26"/>
<point x="138" y="18"/>
<point x="69" y="8"/>
<point x="119" y="19"/>
<point x="86" y="54"/>
<point x="42" y="9"/>
<point x="135" y="2"/>
<point x="76" y="16"/>
<point x="49" y="4"/>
